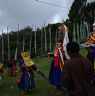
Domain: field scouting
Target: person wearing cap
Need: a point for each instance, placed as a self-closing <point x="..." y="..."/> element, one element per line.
<point x="78" y="73"/>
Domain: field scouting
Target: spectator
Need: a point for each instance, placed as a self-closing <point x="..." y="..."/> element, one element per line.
<point x="78" y="73"/>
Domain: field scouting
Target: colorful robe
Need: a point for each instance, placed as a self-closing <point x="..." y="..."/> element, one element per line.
<point x="27" y="78"/>
<point x="56" y="69"/>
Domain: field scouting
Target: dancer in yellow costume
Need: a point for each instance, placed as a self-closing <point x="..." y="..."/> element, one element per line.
<point x="26" y="80"/>
<point x="28" y="67"/>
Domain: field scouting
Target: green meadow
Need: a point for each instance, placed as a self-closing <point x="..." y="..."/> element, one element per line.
<point x="8" y="85"/>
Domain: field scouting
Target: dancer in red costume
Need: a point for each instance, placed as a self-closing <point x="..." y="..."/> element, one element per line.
<point x="57" y="64"/>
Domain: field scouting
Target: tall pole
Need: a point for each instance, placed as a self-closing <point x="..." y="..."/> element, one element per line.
<point x="2" y="47"/>
<point x="41" y="40"/>
<point x="56" y="37"/>
<point x="35" y="40"/>
<point x="50" y="37"/>
<point x="45" y="38"/>
<point x="84" y="31"/>
<point x="23" y="42"/>
<point x="74" y="33"/>
<point x="16" y="51"/>
<point x="8" y="45"/>
<point x="80" y="30"/>
<point x="78" y="33"/>
<point x="31" y="39"/>
<point x="87" y="28"/>
<point x="17" y="37"/>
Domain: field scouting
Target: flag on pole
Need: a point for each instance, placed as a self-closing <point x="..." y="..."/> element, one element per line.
<point x="35" y="40"/>
<point x="78" y="33"/>
<point x="45" y="38"/>
<point x="16" y="54"/>
<point x="23" y="42"/>
<point x="2" y="47"/>
<point x="8" y="45"/>
<point x="16" y="51"/>
<point x="30" y="40"/>
<point x="50" y="37"/>
<point x="80" y="30"/>
<point x="41" y="40"/>
<point x="74" y="32"/>
<point x="65" y="41"/>
<point x="84" y="31"/>
<point x="56" y="37"/>
<point x="87" y="28"/>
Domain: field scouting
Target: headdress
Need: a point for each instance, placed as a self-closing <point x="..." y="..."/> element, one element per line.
<point x="27" y="60"/>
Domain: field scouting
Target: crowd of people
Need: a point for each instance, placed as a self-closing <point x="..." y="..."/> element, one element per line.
<point x="68" y="71"/>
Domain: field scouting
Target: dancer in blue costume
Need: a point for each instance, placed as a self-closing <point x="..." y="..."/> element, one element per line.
<point x="26" y="80"/>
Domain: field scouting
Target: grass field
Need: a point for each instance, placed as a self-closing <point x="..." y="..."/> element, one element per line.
<point x="8" y="85"/>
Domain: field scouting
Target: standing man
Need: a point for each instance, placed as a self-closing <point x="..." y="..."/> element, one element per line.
<point x="78" y="73"/>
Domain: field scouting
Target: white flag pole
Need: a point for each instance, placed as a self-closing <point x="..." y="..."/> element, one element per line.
<point x="41" y="40"/>
<point x="50" y="37"/>
<point x="35" y="40"/>
<point x="56" y="37"/>
<point x="2" y="47"/>
<point x="23" y="42"/>
<point x="16" y="51"/>
<point x="8" y="45"/>
<point x="31" y="39"/>
<point x="45" y="38"/>
<point x="78" y="33"/>
<point x="74" y="33"/>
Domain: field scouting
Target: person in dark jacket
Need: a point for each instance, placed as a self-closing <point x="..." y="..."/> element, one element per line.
<point x="78" y="73"/>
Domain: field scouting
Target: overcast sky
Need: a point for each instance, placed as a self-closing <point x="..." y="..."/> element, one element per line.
<point x="31" y="12"/>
